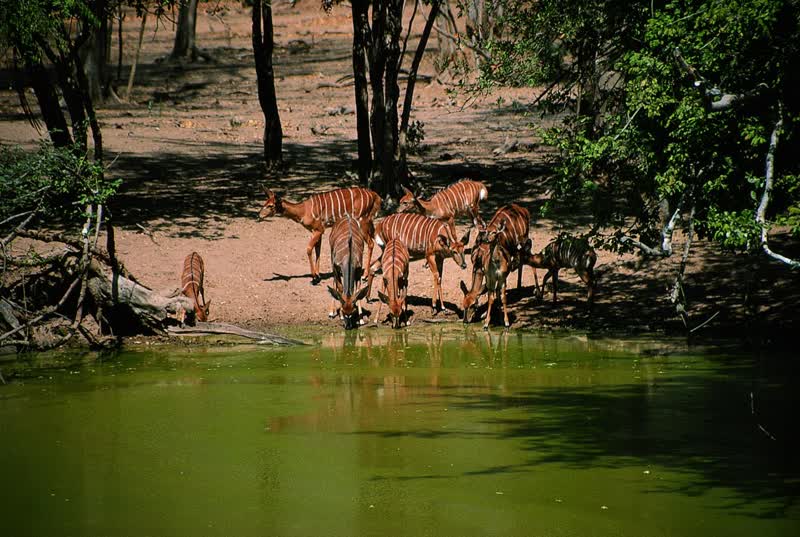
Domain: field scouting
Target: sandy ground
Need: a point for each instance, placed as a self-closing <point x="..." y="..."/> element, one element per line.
<point x="188" y="147"/>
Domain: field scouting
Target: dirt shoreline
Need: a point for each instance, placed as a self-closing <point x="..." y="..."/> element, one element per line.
<point x="189" y="151"/>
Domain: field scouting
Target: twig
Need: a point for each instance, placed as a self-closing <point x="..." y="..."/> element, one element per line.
<point x="18" y="229"/>
<point x="753" y="413"/>
<point x="14" y="217"/>
<point x="701" y="325"/>
<point x="147" y="232"/>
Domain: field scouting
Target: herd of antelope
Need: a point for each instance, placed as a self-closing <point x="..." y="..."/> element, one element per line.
<point x="421" y="229"/>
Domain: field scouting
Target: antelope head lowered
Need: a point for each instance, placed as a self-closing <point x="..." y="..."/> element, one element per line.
<point x="347" y="249"/>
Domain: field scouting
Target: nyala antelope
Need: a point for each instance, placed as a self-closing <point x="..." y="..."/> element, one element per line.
<point x="566" y="252"/>
<point x="425" y="238"/>
<point x="192" y="286"/>
<point x="347" y="250"/>
<point x="461" y="198"/>
<point x="394" y="268"/>
<point x="321" y="211"/>
<point x="508" y="227"/>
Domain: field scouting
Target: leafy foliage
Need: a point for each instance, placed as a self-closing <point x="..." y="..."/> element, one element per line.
<point x="653" y="135"/>
<point x="53" y="181"/>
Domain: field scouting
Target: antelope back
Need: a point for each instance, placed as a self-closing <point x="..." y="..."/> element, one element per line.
<point x="517" y="226"/>
<point x="394" y="263"/>
<point x="331" y="206"/>
<point x="570" y="252"/>
<point x="192" y="283"/>
<point x="347" y="249"/>
<point x="458" y="198"/>
<point x="416" y="231"/>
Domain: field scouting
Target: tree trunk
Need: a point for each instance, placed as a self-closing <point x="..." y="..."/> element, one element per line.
<point x="377" y="68"/>
<point x="185" y="35"/>
<point x="360" y="9"/>
<point x="263" y="45"/>
<point x="94" y="55"/>
<point x="394" y="29"/>
<point x="402" y="138"/>
<point x="48" y="103"/>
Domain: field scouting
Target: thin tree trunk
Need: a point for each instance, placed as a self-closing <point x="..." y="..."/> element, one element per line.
<point x="360" y="9"/>
<point x="394" y="29"/>
<point x="185" y="35"/>
<point x="136" y="57"/>
<point x="121" y="17"/>
<point x="402" y="139"/>
<point x="263" y="45"/>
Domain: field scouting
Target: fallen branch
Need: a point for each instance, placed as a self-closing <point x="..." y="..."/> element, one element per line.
<point x="45" y="314"/>
<point x="208" y="329"/>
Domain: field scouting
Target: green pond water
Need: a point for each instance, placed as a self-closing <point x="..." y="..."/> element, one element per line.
<point x="431" y="431"/>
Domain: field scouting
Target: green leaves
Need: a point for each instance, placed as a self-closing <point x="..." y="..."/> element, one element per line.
<point x="55" y="182"/>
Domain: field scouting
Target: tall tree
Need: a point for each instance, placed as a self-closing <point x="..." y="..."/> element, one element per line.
<point x="263" y="45"/>
<point x="379" y="39"/>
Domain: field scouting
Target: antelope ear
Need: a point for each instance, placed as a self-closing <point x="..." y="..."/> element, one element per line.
<point x="465" y="238"/>
<point x="464" y="287"/>
<point x="207" y="304"/>
<point x="407" y="191"/>
<point x="384" y="298"/>
<point x="335" y="294"/>
<point x="444" y="241"/>
<point x="361" y="294"/>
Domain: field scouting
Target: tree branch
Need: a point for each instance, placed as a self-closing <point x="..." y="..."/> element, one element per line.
<point x="765" y="197"/>
<point x="723" y="100"/>
<point x="666" y="236"/>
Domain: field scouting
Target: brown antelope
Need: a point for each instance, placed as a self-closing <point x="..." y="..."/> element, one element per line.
<point x="498" y="263"/>
<point x="424" y="237"/>
<point x="347" y="250"/>
<point x="192" y="286"/>
<point x="510" y="226"/>
<point x="323" y="210"/>
<point x="566" y="252"/>
<point x="394" y="265"/>
<point x="461" y="198"/>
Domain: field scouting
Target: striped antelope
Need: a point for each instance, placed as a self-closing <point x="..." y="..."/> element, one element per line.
<point x="425" y="238"/>
<point x="566" y="252"/>
<point x="320" y="211"/>
<point x="192" y="286"/>
<point x="498" y="262"/>
<point x="394" y="266"/>
<point x="510" y="224"/>
<point x="461" y="198"/>
<point x="347" y="250"/>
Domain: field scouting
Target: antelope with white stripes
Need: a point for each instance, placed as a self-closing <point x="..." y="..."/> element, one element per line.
<point x="321" y="211"/>
<point x="347" y="250"/>
<point x="425" y="238"/>
<point x="509" y="228"/>
<point x="566" y="252"/>
<point x="192" y="286"/>
<point x="394" y="268"/>
<point x="461" y="198"/>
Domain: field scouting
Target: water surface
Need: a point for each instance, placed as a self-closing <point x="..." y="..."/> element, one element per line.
<point x="429" y="432"/>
